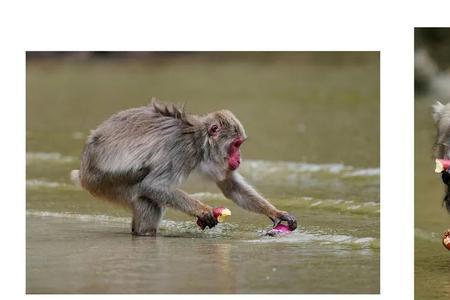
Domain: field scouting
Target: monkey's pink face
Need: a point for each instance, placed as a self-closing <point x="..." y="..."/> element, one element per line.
<point x="234" y="154"/>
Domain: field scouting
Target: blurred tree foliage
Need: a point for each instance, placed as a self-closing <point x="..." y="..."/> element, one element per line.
<point x="437" y="43"/>
<point x="313" y="57"/>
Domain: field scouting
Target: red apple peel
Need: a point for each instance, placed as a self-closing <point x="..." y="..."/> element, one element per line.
<point x="442" y="165"/>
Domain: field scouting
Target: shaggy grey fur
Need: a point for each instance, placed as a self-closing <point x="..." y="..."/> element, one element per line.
<point x="139" y="156"/>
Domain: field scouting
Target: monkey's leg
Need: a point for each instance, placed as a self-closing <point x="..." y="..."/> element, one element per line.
<point x="241" y="193"/>
<point x="446" y="200"/>
<point x="181" y="201"/>
<point x="146" y="217"/>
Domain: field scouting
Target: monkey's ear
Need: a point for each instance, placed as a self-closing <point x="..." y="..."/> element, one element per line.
<point x="438" y="107"/>
<point x="213" y="130"/>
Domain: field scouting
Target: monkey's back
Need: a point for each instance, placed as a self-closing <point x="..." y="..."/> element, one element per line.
<point x="137" y="144"/>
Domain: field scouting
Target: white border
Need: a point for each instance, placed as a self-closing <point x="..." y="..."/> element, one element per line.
<point x="226" y="25"/>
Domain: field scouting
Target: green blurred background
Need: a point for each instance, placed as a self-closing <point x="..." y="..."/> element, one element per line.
<point x="305" y="106"/>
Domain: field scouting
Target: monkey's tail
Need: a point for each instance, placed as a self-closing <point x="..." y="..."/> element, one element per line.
<point x="75" y="177"/>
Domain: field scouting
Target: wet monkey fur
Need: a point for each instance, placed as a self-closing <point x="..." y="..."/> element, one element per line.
<point x="139" y="156"/>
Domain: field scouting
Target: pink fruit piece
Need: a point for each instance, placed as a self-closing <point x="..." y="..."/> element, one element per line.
<point x="221" y="213"/>
<point x="279" y="229"/>
<point x="442" y="165"/>
<point x="282" y="227"/>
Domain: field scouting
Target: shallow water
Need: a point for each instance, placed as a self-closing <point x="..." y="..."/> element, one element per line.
<point x="432" y="260"/>
<point x="313" y="150"/>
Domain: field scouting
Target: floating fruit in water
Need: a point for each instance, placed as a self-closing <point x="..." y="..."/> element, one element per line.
<point x="279" y="229"/>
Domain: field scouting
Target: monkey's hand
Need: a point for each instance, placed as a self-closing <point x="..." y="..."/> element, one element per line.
<point x="284" y="216"/>
<point x="446" y="177"/>
<point x="207" y="219"/>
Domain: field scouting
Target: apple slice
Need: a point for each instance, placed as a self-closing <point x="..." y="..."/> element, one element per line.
<point x="219" y="213"/>
<point x="279" y="229"/>
<point x="442" y="165"/>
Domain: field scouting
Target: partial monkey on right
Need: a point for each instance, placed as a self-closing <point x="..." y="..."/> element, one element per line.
<point x="441" y="148"/>
<point x="441" y="152"/>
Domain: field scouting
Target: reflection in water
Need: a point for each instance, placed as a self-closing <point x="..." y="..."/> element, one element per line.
<point x="218" y="256"/>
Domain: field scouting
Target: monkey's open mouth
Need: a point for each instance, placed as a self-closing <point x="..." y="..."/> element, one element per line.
<point x="234" y="158"/>
<point x="234" y="162"/>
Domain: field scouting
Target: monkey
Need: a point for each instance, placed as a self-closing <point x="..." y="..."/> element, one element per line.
<point x="441" y="116"/>
<point x="138" y="158"/>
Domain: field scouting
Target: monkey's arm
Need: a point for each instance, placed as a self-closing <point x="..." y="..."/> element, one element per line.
<point x="180" y="200"/>
<point x="240" y="192"/>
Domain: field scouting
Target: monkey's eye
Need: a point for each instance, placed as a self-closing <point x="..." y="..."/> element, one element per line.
<point x="213" y="130"/>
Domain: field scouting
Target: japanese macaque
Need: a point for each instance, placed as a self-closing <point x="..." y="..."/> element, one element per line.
<point x="139" y="156"/>
<point x="441" y="115"/>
